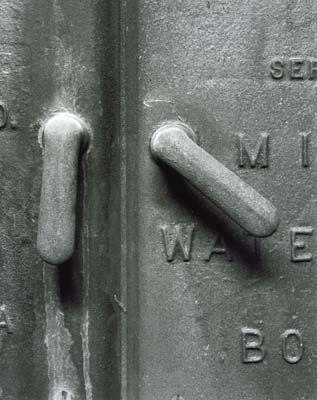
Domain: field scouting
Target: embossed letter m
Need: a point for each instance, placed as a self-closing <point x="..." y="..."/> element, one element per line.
<point x="256" y="156"/>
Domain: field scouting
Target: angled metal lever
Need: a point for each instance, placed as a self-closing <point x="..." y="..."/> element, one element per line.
<point x="172" y="144"/>
<point x="63" y="137"/>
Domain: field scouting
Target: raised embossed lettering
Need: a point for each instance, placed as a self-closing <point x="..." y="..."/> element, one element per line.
<point x="3" y="116"/>
<point x="219" y="247"/>
<point x="305" y="149"/>
<point x="178" y="239"/>
<point x="313" y="70"/>
<point x="4" y="319"/>
<point x="297" y="65"/>
<point x="298" y="245"/>
<point x="292" y="346"/>
<point x="277" y="69"/>
<point x="256" y="156"/>
<point x="178" y="243"/>
<point x="253" y="350"/>
<point x="294" y="68"/>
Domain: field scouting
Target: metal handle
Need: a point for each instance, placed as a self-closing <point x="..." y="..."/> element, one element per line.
<point x="172" y="144"/>
<point x="63" y="136"/>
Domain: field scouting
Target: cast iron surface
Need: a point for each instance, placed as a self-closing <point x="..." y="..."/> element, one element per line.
<point x="58" y="330"/>
<point x="172" y="145"/>
<point x="63" y="138"/>
<point x="183" y="314"/>
<point x="208" y="64"/>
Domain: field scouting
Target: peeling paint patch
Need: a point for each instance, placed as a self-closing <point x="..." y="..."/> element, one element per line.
<point x="62" y="373"/>
<point x="149" y="103"/>
<point x="85" y="335"/>
<point x="120" y="304"/>
<point x="69" y="69"/>
<point x="86" y="354"/>
<point x="85" y="325"/>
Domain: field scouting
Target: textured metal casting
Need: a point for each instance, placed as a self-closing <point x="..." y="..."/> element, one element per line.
<point x="63" y="137"/>
<point x="172" y="144"/>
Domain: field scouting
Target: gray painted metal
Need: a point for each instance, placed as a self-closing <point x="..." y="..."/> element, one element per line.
<point x="212" y="313"/>
<point x="62" y="138"/>
<point x="58" y="326"/>
<point x="172" y="145"/>
<point x="164" y="297"/>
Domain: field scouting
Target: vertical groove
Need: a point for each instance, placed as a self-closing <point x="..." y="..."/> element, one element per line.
<point x="123" y="216"/>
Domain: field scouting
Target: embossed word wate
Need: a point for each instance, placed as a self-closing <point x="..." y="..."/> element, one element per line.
<point x="179" y="244"/>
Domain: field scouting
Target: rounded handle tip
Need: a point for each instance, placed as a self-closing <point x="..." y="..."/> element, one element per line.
<point x="268" y="225"/>
<point x="54" y="255"/>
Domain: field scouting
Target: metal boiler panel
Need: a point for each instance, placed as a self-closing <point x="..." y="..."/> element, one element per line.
<point x="57" y="323"/>
<point x="211" y="311"/>
<point x="158" y="223"/>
